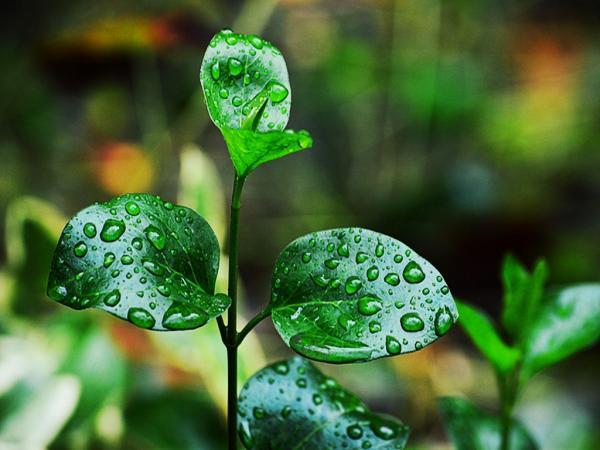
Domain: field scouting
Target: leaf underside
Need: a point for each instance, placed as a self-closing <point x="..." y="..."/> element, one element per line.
<point x="291" y="405"/>
<point x="350" y="294"/>
<point x="470" y="428"/>
<point x="141" y="259"/>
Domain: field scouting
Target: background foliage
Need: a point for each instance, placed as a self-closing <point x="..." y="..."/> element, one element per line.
<point x="466" y="129"/>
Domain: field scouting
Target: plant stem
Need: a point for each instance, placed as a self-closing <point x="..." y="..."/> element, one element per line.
<point x="508" y="385"/>
<point x="231" y="335"/>
<point x="252" y="323"/>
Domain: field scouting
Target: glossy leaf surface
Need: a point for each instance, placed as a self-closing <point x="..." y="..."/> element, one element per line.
<point x="471" y="428"/>
<point x="480" y="329"/>
<point x="245" y="83"/>
<point x="291" y="405"/>
<point x="568" y="321"/>
<point x="140" y="259"/>
<point x="253" y="149"/>
<point x="351" y="294"/>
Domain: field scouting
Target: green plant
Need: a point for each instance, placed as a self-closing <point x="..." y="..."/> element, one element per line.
<point x="338" y="296"/>
<point x="542" y="327"/>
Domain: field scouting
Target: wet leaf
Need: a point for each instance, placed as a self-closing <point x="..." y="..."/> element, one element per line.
<point x="480" y="329"/>
<point x="471" y="428"/>
<point x="141" y="259"/>
<point x="349" y="294"/>
<point x="568" y="321"/>
<point x="291" y="405"/>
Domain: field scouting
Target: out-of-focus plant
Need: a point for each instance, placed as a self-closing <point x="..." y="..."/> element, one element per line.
<point x="543" y="327"/>
<point x="339" y="296"/>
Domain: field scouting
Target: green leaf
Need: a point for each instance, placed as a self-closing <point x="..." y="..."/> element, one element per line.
<point x="471" y="428"/>
<point x="291" y="405"/>
<point x="249" y="149"/>
<point x="245" y="83"/>
<point x="568" y="321"/>
<point x="350" y="294"/>
<point x="480" y="329"/>
<point x="140" y="259"/>
<point x="522" y="293"/>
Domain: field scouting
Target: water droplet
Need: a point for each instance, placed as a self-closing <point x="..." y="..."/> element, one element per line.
<point x="332" y="263"/>
<point x="286" y="411"/>
<point x="330" y="247"/>
<point x="306" y="257"/>
<point x="445" y="290"/>
<point x="164" y="290"/>
<point x="235" y="66"/>
<point x="115" y="273"/>
<point x="156" y="237"/>
<point x="379" y="250"/>
<point x="58" y="293"/>
<point x="132" y="208"/>
<point x="277" y="92"/>
<point x="343" y="250"/>
<point x="223" y="93"/>
<point x="361" y="257"/>
<point x="258" y="412"/>
<point x="256" y="42"/>
<point x="152" y="267"/>
<point x="112" y="298"/>
<point x="137" y="243"/>
<point x="354" y="431"/>
<point x="89" y="229"/>
<point x="372" y="273"/>
<point x="109" y="258"/>
<point x="126" y="260"/>
<point x="231" y="40"/>
<point x="383" y="429"/>
<point x="393" y="279"/>
<point x="321" y="280"/>
<point x="413" y="273"/>
<point x="369" y="305"/>
<point x="443" y="321"/>
<point x="374" y="327"/>
<point x="178" y="317"/>
<point x="411" y="322"/>
<point x="112" y="230"/>
<point x="317" y="399"/>
<point x="392" y="345"/>
<point x="301" y="382"/>
<point x="281" y="368"/>
<point x="398" y="258"/>
<point x="353" y="284"/>
<point x="140" y="317"/>
<point x="215" y="71"/>
<point x="80" y="249"/>
<point x="237" y="101"/>
<point x="346" y="321"/>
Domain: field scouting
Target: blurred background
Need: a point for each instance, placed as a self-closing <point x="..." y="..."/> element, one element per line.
<point x="466" y="128"/>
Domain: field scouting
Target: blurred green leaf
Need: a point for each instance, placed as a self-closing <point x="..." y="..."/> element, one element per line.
<point x="172" y="251"/>
<point x="291" y="405"/>
<point x="568" y="321"/>
<point x="471" y="428"/>
<point x="522" y="294"/>
<point x="479" y="327"/>
<point x="350" y="294"/>
<point x="41" y="416"/>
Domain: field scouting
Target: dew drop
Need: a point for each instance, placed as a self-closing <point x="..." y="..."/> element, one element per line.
<point x="112" y="298"/>
<point x="374" y="327"/>
<point x="178" y="317"/>
<point x="126" y="260"/>
<point x="353" y="284"/>
<point x="361" y="257"/>
<point x="112" y="230"/>
<point x="258" y="412"/>
<point x="281" y="368"/>
<point x="132" y="208"/>
<point x="392" y="345"/>
<point x="317" y="399"/>
<point x="306" y="257"/>
<point x="155" y="236"/>
<point x="354" y="431"/>
<point x="237" y="101"/>
<point x="383" y="429"/>
<point x="256" y="42"/>
<point x="286" y="411"/>
<point x="164" y="290"/>
<point x="231" y="40"/>
<point x="332" y="263"/>
<point x="223" y="93"/>
<point x="445" y="290"/>
<point x="343" y="250"/>
<point x="277" y="92"/>
<point x="235" y="66"/>
<point x="443" y="321"/>
<point x="80" y="249"/>
<point x="411" y="322"/>
<point x="58" y="293"/>
<point x="413" y="273"/>
<point x="379" y="250"/>
<point x="137" y="243"/>
<point x="89" y="229"/>
<point x="140" y="317"/>
<point x="369" y="305"/>
<point x="109" y="258"/>
<point x="372" y="273"/>
<point x="215" y="71"/>
<point x="301" y="382"/>
<point x="393" y="279"/>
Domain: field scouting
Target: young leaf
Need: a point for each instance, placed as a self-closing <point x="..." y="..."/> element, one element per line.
<point x="245" y="83"/>
<point x="568" y="321"/>
<point x="350" y="294"/>
<point x="522" y="293"/>
<point x="473" y="429"/>
<point x="480" y="329"/>
<point x="291" y="405"/>
<point x="141" y="259"/>
<point x="248" y="95"/>
<point x="253" y="149"/>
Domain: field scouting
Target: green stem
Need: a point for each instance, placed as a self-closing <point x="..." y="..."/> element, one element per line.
<point x="508" y="385"/>
<point x="231" y="335"/>
<point x="252" y="323"/>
